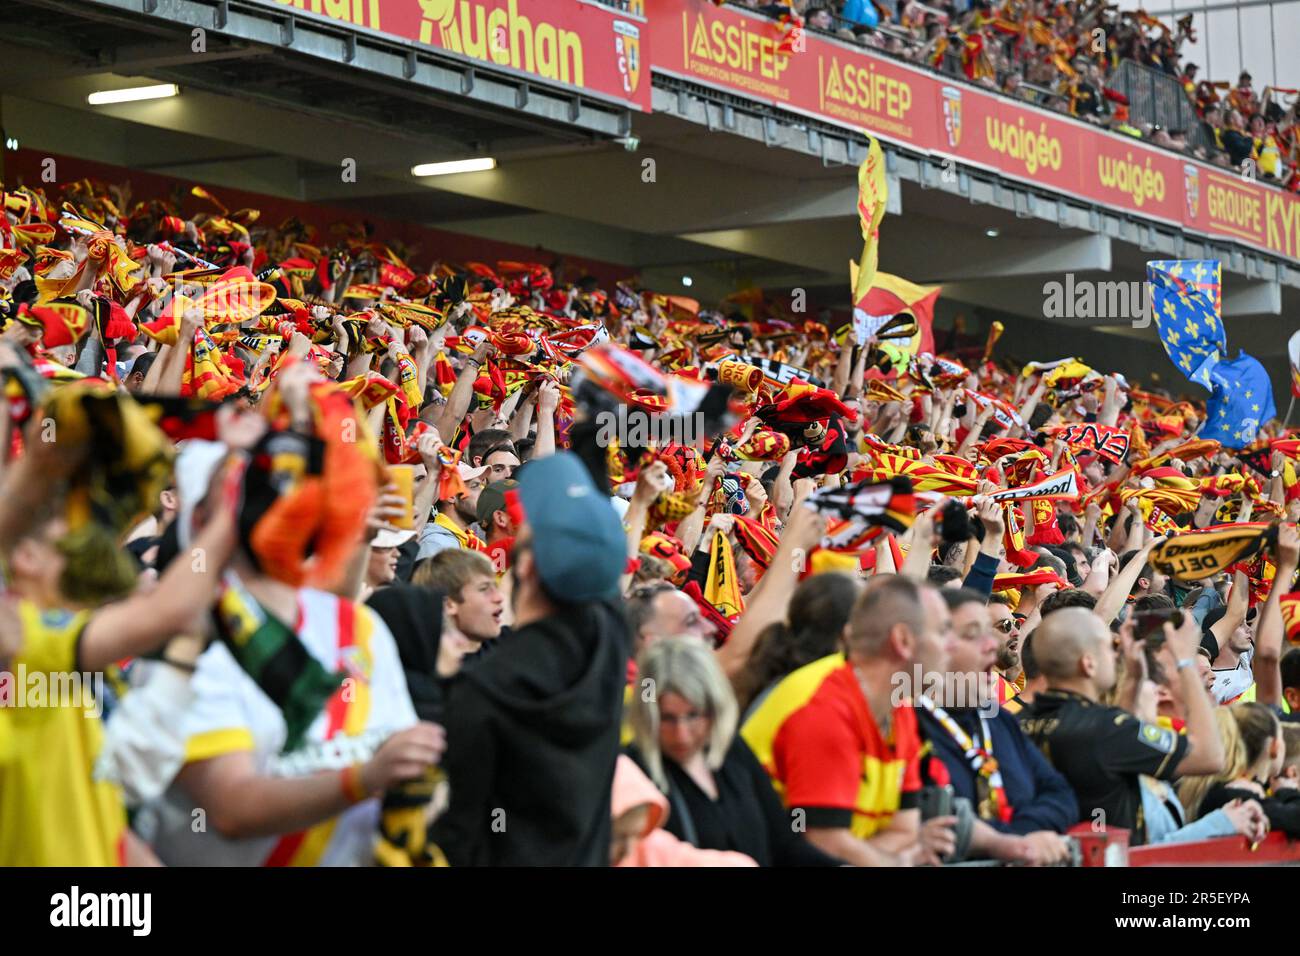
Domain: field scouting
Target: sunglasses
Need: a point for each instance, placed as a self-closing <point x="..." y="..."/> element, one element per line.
<point x="1007" y="626"/>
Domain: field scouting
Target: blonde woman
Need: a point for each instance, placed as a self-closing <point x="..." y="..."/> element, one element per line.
<point x="684" y="719"/>
<point x="1254" y="758"/>
<point x="1166" y="817"/>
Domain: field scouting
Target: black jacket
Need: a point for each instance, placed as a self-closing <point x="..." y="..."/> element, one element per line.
<point x="532" y="739"/>
<point x="1040" y="797"/>
<point x="1239" y="146"/>
<point x="747" y="817"/>
<point x="1101" y="751"/>
<point x="414" y="617"/>
<point x="1282" y="809"/>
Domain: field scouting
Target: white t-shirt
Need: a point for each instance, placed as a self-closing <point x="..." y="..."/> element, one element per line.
<point x="230" y="713"/>
<point x="1232" y="682"/>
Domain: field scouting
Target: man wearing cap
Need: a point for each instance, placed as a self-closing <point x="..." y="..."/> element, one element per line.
<point x="381" y="568"/>
<point x="450" y="527"/>
<point x="534" y="733"/>
<point x="496" y="524"/>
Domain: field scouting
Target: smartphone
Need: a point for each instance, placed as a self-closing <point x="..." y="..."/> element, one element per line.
<point x="1148" y="625"/>
<point x="936" y="801"/>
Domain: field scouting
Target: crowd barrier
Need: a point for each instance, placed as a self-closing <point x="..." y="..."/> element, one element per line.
<point x="1110" y="847"/>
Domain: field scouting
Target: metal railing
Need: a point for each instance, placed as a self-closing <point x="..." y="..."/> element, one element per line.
<point x="1155" y="97"/>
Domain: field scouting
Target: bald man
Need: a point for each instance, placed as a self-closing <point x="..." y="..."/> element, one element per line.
<point x="1103" y="750"/>
<point x="840" y="738"/>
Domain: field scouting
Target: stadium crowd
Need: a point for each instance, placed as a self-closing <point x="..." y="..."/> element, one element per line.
<point x="1069" y="57"/>
<point x="489" y="565"/>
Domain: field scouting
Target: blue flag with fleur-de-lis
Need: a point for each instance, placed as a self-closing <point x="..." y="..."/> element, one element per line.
<point x="1242" y="400"/>
<point x="1186" y="296"/>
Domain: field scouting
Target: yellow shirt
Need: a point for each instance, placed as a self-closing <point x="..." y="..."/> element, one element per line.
<point x="469" y="541"/>
<point x="52" y="812"/>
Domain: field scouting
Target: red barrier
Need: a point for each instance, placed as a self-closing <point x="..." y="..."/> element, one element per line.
<point x="1273" y="850"/>
<point x="1110" y="848"/>
<point x="1107" y="847"/>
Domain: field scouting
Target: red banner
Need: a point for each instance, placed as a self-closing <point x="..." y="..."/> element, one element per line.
<point x="572" y="43"/>
<point x="842" y="84"/>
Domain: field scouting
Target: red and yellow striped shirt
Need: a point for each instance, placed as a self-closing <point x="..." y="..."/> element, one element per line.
<point x="817" y="738"/>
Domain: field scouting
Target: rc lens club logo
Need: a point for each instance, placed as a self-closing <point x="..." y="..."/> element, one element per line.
<point x="1192" y="187"/>
<point x="627" y="45"/>
<point x="951" y="97"/>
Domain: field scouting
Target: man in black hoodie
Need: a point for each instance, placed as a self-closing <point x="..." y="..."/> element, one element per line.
<point x="533" y="731"/>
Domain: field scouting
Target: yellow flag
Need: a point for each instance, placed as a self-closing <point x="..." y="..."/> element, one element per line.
<point x="721" y="588"/>
<point x="873" y="192"/>
<point x="995" y="333"/>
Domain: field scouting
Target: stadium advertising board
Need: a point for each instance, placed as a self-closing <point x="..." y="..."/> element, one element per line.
<point x="571" y="43"/>
<point x="843" y="85"/>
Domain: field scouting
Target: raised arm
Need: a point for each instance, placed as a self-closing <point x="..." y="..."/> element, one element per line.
<point x="782" y="489"/>
<point x="692" y="526"/>
<point x="1235" y="614"/>
<point x="768" y="604"/>
<point x="463" y="391"/>
<point x="1205" y="750"/>
<point x="1269" y="635"/>
<point x="1117" y="592"/>
<point x="920" y="545"/>
<point x="548" y="399"/>
<point x="648" y="485"/>
<point x="1110" y="407"/>
<point x="973" y="436"/>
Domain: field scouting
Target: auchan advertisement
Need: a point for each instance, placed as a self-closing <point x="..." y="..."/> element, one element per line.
<point x="572" y="43"/>
<point x="844" y="85"/>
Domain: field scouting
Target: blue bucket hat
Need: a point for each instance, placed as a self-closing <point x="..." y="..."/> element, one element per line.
<point x="578" y="540"/>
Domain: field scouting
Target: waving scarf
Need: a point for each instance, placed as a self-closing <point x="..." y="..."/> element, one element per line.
<point x="1197" y="555"/>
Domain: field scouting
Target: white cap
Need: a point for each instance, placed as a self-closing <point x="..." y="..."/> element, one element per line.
<point x="386" y="538"/>
<point x="197" y="462"/>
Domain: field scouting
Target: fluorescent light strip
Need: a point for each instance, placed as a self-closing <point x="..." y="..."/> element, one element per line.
<point x="132" y="94"/>
<point x="455" y="166"/>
